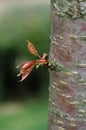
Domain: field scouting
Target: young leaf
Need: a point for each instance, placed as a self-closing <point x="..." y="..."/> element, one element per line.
<point x="44" y="55"/>
<point x="27" y="67"/>
<point x="32" y="49"/>
<point x="25" y="74"/>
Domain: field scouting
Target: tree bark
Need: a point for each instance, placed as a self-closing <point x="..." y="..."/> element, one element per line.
<point x="67" y="90"/>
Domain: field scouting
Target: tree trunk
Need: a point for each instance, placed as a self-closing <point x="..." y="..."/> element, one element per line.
<point x="67" y="90"/>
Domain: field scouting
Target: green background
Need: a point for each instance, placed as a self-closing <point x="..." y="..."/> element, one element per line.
<point x="23" y="106"/>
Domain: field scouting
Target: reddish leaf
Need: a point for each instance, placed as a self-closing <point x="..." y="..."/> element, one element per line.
<point x="44" y="55"/>
<point x="20" y="65"/>
<point x="26" y="73"/>
<point x="32" y="49"/>
<point x="26" y="69"/>
<point x="28" y="66"/>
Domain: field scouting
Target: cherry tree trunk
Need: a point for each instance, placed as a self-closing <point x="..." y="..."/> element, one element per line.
<point x="67" y="90"/>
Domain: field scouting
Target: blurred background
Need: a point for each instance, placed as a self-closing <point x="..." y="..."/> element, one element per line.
<point x="23" y="105"/>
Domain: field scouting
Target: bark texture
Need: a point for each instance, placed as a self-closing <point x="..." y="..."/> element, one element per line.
<point x="67" y="90"/>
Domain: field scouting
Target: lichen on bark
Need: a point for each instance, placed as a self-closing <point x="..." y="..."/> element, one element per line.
<point x="70" y="8"/>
